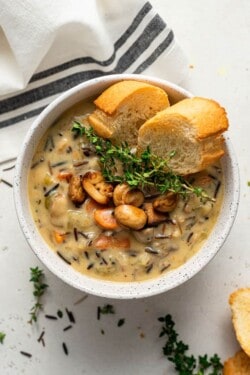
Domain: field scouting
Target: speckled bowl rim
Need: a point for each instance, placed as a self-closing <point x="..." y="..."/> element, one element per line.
<point x="111" y="289"/>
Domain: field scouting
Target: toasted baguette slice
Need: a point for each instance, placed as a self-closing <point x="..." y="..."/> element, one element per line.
<point x="237" y="365"/>
<point x="240" y="305"/>
<point x="192" y="128"/>
<point x="124" y="107"/>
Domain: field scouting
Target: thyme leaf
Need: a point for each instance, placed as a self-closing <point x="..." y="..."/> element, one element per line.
<point x="36" y="277"/>
<point x="176" y="351"/>
<point x="2" y="337"/>
<point x="120" y="322"/>
<point x="106" y="309"/>
<point x="121" y="164"/>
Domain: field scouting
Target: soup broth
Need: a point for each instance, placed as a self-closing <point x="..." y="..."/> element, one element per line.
<point x="112" y="252"/>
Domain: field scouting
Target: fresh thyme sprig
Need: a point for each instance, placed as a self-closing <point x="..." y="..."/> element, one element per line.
<point x="2" y="337"/>
<point x="144" y="171"/>
<point x="176" y="351"/>
<point x="37" y="276"/>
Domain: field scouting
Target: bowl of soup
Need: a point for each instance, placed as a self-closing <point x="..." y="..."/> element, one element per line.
<point x="81" y="225"/>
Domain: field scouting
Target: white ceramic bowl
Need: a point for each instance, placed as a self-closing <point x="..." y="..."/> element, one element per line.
<point x="111" y="289"/>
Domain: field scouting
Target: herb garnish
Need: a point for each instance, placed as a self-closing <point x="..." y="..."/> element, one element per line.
<point x="106" y="309"/>
<point x="59" y="313"/>
<point x="145" y="170"/>
<point x="120" y="322"/>
<point x="2" y="337"/>
<point x="36" y="276"/>
<point x="175" y="350"/>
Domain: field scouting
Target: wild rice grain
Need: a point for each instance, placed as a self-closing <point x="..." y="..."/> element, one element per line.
<point x="41" y="336"/>
<point x="51" y="317"/>
<point x="67" y="328"/>
<point x="50" y="190"/>
<point x="62" y="257"/>
<point x="98" y="313"/>
<point x="26" y="354"/>
<point x="70" y="316"/>
<point x="65" y="349"/>
<point x="76" y="234"/>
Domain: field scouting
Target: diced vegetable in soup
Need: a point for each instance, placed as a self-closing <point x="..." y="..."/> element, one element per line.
<point x="101" y="219"/>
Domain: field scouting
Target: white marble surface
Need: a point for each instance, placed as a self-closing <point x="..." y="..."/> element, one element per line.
<point x="216" y="37"/>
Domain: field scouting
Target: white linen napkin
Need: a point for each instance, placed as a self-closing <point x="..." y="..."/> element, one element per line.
<point x="49" y="46"/>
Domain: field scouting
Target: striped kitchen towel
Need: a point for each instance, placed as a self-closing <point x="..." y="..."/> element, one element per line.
<point x="48" y="47"/>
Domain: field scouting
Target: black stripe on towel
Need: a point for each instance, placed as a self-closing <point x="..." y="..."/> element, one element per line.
<point x="157" y="52"/>
<point x="22" y="117"/>
<point x="93" y="74"/>
<point x="151" y="31"/>
<point x="86" y="60"/>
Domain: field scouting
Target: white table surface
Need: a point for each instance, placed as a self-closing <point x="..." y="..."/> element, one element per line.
<point x="216" y="37"/>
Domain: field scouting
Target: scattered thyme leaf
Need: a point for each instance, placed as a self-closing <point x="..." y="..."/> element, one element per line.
<point x="176" y="352"/>
<point x="59" y="314"/>
<point x="106" y="309"/>
<point x="143" y="171"/>
<point x="248" y="183"/>
<point x="37" y="276"/>
<point x="120" y="322"/>
<point x="2" y="337"/>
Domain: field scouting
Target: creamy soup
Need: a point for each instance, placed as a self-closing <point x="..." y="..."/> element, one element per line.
<point x="89" y="232"/>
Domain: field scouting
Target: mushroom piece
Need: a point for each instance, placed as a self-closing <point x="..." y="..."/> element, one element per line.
<point x="94" y="184"/>
<point x="154" y="217"/>
<point x="130" y="216"/>
<point x="76" y="192"/>
<point x="105" y="218"/>
<point x="124" y="194"/>
<point x="166" y="202"/>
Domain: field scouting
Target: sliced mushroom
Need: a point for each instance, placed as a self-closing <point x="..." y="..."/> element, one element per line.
<point x="154" y="217"/>
<point x="76" y="192"/>
<point x="105" y="218"/>
<point x="119" y="192"/>
<point x="130" y="216"/>
<point x="104" y="242"/>
<point x="94" y="184"/>
<point x="124" y="194"/>
<point x="166" y="202"/>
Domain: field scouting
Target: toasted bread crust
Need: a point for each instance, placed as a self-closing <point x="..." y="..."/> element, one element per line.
<point x="240" y="306"/>
<point x="96" y="120"/>
<point x="192" y="128"/>
<point x="239" y="364"/>
<point x="124" y="107"/>
<point x="115" y="96"/>
<point x="139" y="114"/>
<point x="206" y="115"/>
